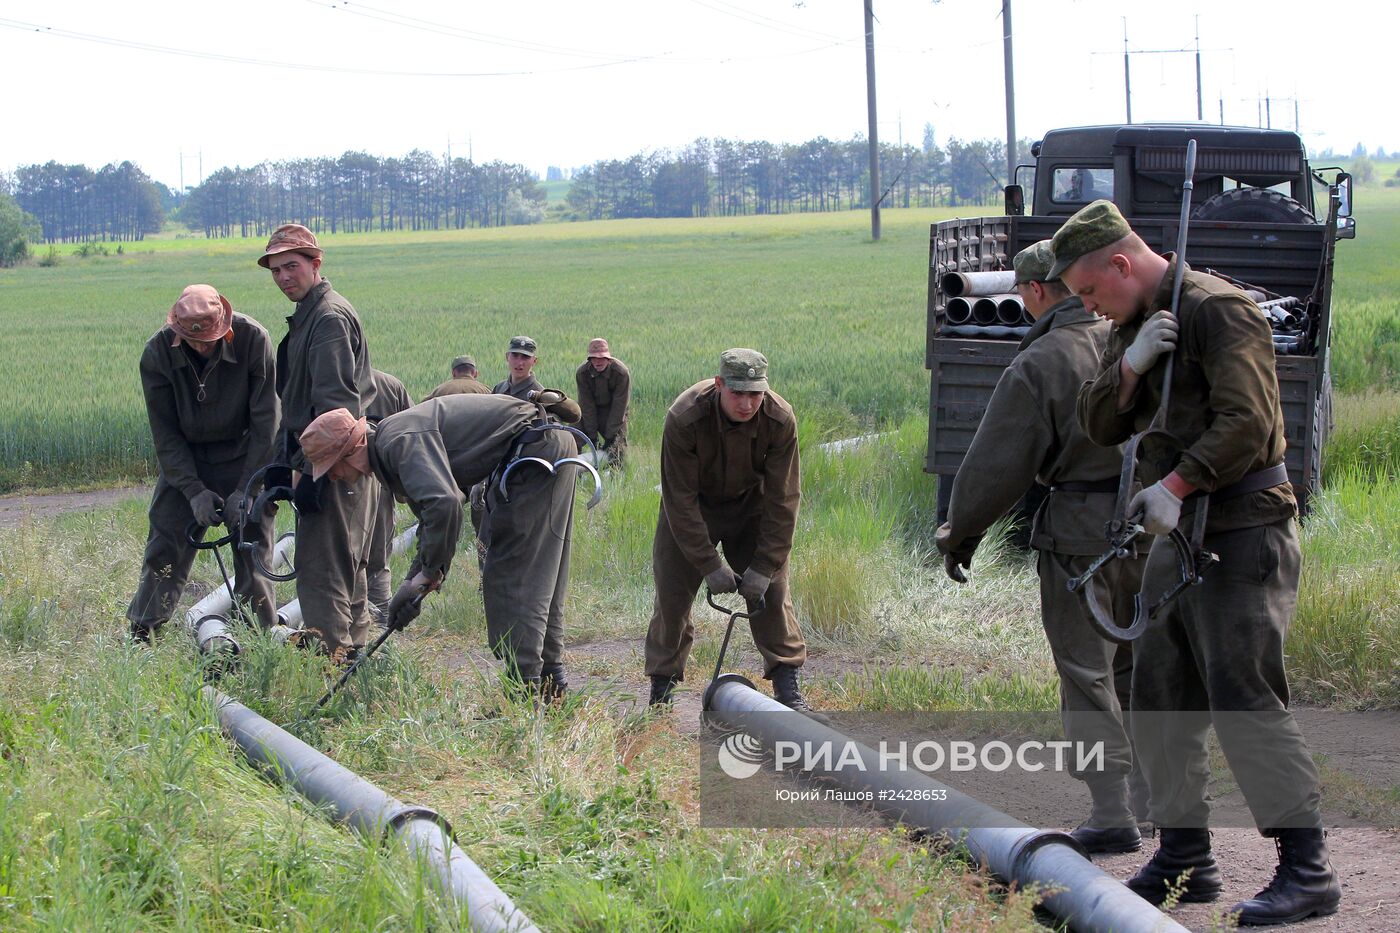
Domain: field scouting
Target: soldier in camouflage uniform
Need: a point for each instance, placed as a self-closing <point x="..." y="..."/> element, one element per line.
<point x="1219" y="646"/>
<point x="1030" y="432"/>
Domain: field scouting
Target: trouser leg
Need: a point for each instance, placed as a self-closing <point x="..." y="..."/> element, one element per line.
<point x="331" y="556"/>
<point x="671" y="631"/>
<point x="775" y="630"/>
<point x="525" y="579"/>
<point x="378" y="576"/>
<point x="165" y="567"/>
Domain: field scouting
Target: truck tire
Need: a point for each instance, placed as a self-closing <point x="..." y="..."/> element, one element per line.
<point x="1254" y="205"/>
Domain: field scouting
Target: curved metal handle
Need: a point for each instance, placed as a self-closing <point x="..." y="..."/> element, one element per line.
<point x="592" y="471"/>
<point x="750" y="610"/>
<point x="194" y="533"/>
<point x="1102" y="618"/>
<point x="262" y="568"/>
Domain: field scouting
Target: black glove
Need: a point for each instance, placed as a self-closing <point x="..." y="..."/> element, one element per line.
<point x="955" y="563"/>
<point x="307" y="496"/>
<point x="753" y="585"/>
<point x="405" y="606"/>
<point x="722" y="580"/>
<point x="205" y="507"/>
<point x="236" y="508"/>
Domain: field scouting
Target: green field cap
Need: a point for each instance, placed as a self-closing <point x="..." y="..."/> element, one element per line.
<point x="523" y="345"/>
<point x="1033" y="263"/>
<point x="464" y="362"/>
<point x="1095" y="226"/>
<point x="744" y="370"/>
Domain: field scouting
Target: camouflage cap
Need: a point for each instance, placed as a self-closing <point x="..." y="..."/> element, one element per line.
<point x="744" y="370"/>
<point x="1033" y="263"/>
<point x="464" y="362"/>
<point x="1094" y="226"/>
<point x="290" y="238"/>
<point x="523" y="345"/>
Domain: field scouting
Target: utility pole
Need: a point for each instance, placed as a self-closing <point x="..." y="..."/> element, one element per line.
<point x="1200" y="110"/>
<point x="1222" y="109"/>
<point x="1268" y="111"/>
<point x="1010" y="93"/>
<point x="1127" y="80"/>
<point x="870" y="107"/>
<point x="1295" y="117"/>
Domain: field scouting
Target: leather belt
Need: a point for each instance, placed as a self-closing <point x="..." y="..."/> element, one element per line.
<point x="1267" y="478"/>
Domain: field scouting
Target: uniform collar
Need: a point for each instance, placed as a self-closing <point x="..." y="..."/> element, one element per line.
<point x="1066" y="313"/>
<point x="310" y="300"/>
<point x="181" y="358"/>
<point x="1163" y="298"/>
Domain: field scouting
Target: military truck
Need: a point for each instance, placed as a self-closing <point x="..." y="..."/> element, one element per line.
<point x="1261" y="216"/>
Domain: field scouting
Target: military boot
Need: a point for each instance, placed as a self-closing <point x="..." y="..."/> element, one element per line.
<point x="1180" y="851"/>
<point x="1111" y="826"/>
<point x="553" y="684"/>
<point x="662" y="687"/>
<point x="140" y="635"/>
<point x="1304" y="883"/>
<point x="787" y="692"/>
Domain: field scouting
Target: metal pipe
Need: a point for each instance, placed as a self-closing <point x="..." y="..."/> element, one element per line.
<point x="371" y="812"/>
<point x="219" y="600"/>
<point x="1079" y="893"/>
<point x="959" y="311"/>
<point x="1009" y="309"/>
<point x="963" y="284"/>
<point x="995" y="331"/>
<point x="984" y="311"/>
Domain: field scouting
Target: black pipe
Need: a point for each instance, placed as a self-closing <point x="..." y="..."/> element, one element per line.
<point x="995" y="331"/>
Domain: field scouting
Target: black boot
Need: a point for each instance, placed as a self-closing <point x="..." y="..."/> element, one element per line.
<point x="140" y="635"/>
<point x="1111" y="826"/>
<point x="1304" y="883"/>
<point x="787" y="692"/>
<point x="553" y="684"/>
<point x="1180" y="851"/>
<point x="662" y="687"/>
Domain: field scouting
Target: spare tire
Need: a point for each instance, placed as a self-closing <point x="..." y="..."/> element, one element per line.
<point x="1254" y="205"/>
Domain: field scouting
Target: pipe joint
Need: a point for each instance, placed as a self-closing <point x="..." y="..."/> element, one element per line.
<point x="1027" y="846"/>
<point x="394" y="823"/>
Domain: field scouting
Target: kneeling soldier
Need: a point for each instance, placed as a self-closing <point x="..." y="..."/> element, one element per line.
<point x="428" y="456"/>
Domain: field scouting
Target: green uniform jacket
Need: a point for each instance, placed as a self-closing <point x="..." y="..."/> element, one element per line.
<point x="1224" y="404"/>
<point x="390" y="397"/>
<point x="459" y="385"/>
<point x="710" y="464"/>
<point x="429" y="455"/>
<point x="228" y="414"/>
<point x="323" y="362"/>
<point x="608" y="392"/>
<point x="1030" y="431"/>
<point x="517" y="390"/>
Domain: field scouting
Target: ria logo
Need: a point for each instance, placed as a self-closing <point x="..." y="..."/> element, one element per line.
<point x="740" y="755"/>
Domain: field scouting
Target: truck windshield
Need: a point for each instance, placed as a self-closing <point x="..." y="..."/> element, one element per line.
<point x="1081" y="185"/>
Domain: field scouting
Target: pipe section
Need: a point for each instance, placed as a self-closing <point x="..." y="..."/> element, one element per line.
<point x="962" y="284"/>
<point x="371" y="812"/>
<point x="1081" y="894"/>
<point x="984" y="311"/>
<point x="218" y="601"/>
<point x="1010" y="310"/>
<point x="959" y="311"/>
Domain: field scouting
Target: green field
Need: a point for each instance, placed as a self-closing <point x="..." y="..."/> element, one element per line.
<point x="122" y="808"/>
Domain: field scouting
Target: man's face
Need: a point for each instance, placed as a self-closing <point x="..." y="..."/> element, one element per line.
<point x="600" y="363"/>
<point x="343" y="472"/>
<point x="738" y="406"/>
<point x="520" y="366"/>
<point x="1107" y="288"/>
<point x="295" y="273"/>
<point x="205" y="348"/>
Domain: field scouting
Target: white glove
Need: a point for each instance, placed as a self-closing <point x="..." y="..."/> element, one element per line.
<point x="1157" y="336"/>
<point x="1161" y="509"/>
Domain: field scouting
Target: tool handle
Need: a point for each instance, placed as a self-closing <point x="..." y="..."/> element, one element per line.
<point x="751" y="609"/>
<point x="194" y="533"/>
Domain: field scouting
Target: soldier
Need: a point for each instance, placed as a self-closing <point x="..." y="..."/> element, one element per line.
<point x="604" y="394"/>
<point x="390" y="398"/>
<point x="323" y="364"/>
<point x="464" y="380"/>
<point x="1030" y="432"/>
<point x="729" y="476"/>
<point x="211" y="398"/>
<point x="428" y="455"/>
<point x="1219" y="646"/>
<point x="521" y="357"/>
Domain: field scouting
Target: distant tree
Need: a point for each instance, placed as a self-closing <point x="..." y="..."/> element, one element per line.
<point x="17" y="231"/>
<point x="1363" y="170"/>
<point x="1358" y="150"/>
<point x="554" y="173"/>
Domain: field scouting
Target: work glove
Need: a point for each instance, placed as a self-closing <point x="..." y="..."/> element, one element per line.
<point x="405" y="606"/>
<point x="722" y="580"/>
<point x="1157" y="336"/>
<point x="236" y="508"/>
<point x="753" y="585"/>
<point x="206" y="506"/>
<point x="959" y="558"/>
<point x="1161" y="509"/>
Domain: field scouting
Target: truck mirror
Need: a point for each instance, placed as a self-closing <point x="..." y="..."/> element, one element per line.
<point x="1015" y="200"/>
<point x="1343" y="185"/>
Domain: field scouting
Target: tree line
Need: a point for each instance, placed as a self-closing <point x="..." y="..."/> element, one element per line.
<point x="359" y="192"/>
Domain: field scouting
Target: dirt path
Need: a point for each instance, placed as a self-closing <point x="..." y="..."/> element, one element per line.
<point x="15" y="509"/>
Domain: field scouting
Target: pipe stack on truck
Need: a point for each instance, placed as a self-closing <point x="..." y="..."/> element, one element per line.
<point x="1262" y="217"/>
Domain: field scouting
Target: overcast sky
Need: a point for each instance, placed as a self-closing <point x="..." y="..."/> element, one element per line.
<point x="548" y="82"/>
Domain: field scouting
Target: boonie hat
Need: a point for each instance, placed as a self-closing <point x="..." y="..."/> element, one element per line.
<point x="1094" y="226"/>
<point x="290" y="238"/>
<point x="463" y="361"/>
<point x="744" y="370"/>
<point x="1033" y="263"/>
<point x="202" y="314"/>
<point x="598" y="349"/>
<point x="522" y="345"/>
<point x="331" y="438"/>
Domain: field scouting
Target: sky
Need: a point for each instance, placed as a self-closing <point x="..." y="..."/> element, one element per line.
<point x="183" y="88"/>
